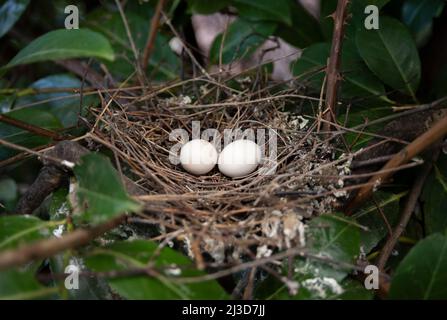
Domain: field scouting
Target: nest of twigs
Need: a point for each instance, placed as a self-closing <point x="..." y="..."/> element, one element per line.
<point x="217" y="219"/>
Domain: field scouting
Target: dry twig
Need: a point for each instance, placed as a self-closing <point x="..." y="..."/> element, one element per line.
<point x="333" y="68"/>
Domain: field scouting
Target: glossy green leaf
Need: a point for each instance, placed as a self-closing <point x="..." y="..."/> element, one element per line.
<point x="16" y="230"/>
<point x="391" y="54"/>
<point x="10" y="12"/>
<point x="24" y="138"/>
<point x="100" y="191"/>
<point x="418" y="15"/>
<point x="136" y="254"/>
<point x="304" y="29"/>
<point x="264" y="10"/>
<point x="163" y="63"/>
<point x="241" y="40"/>
<point x="21" y="285"/>
<point x="64" y="44"/>
<point x="435" y="198"/>
<point x="358" y="80"/>
<point x="206" y="6"/>
<point x="422" y="274"/>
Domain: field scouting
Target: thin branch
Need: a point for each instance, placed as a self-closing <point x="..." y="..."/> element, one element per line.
<point x="31" y="128"/>
<point x="418" y="145"/>
<point x="155" y="22"/>
<point x="140" y="72"/>
<point x="47" y="248"/>
<point x="333" y="68"/>
<point x="62" y="162"/>
<point x="406" y="213"/>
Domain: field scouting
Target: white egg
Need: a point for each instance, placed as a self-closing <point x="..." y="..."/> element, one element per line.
<point x="239" y="158"/>
<point x="198" y="156"/>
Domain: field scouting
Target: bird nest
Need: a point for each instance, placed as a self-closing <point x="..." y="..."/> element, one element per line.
<point x="216" y="219"/>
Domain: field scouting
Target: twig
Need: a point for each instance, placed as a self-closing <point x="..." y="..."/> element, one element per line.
<point x="369" y="162"/>
<point x="23" y="155"/>
<point x="333" y="72"/>
<point x="62" y="162"/>
<point x="83" y="70"/>
<point x="406" y="213"/>
<point x="31" y="128"/>
<point x="155" y="21"/>
<point x="140" y="72"/>
<point x="417" y="146"/>
<point x="47" y="248"/>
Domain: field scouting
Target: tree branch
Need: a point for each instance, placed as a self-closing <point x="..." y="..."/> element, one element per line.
<point x="406" y="213"/>
<point x="155" y="21"/>
<point x="421" y="143"/>
<point x="46" y="248"/>
<point x="333" y="69"/>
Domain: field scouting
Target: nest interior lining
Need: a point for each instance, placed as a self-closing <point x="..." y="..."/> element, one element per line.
<point x="221" y="217"/>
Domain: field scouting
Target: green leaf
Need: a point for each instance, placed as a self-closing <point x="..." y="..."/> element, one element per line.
<point x="64" y="44"/>
<point x="59" y="207"/>
<point x="435" y="198"/>
<point x="304" y="30"/>
<point x="241" y="40"/>
<point x="127" y="255"/>
<point x="20" y="285"/>
<point x="10" y="12"/>
<point x="422" y="274"/>
<point x="335" y="238"/>
<point x="163" y="63"/>
<point x="357" y="15"/>
<point x="16" y="230"/>
<point x="24" y="138"/>
<point x="391" y="54"/>
<point x="206" y="6"/>
<point x="418" y="15"/>
<point x="264" y="10"/>
<point x="100" y="190"/>
<point x="360" y="115"/>
<point x="63" y="105"/>
<point x="358" y="80"/>
<point x="370" y="216"/>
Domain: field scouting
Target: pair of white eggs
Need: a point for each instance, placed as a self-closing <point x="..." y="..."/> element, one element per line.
<point x="237" y="159"/>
